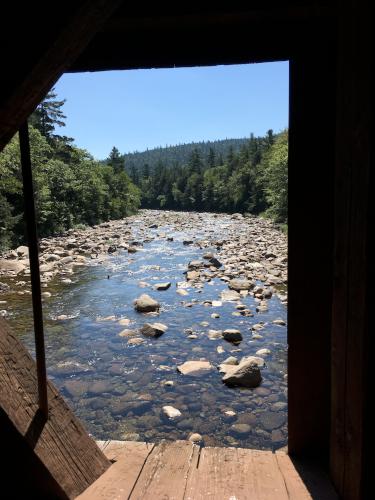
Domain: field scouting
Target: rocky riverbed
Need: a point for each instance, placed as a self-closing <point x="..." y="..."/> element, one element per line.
<point x="164" y="325"/>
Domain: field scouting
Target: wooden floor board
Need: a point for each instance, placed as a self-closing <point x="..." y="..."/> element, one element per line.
<point x="179" y="470"/>
<point x="118" y="481"/>
<point x="225" y="473"/>
<point x="166" y="471"/>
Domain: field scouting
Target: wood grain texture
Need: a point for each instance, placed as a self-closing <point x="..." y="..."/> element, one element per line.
<point x="61" y="443"/>
<point x="181" y="470"/>
<point x="119" y="480"/>
<point x="236" y="473"/>
<point x="166" y="471"/>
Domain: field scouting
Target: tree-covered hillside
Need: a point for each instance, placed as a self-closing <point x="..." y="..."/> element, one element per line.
<point x="216" y="176"/>
<point x="180" y="153"/>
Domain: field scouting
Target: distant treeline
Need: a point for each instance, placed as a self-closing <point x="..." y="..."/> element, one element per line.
<point x="180" y="153"/>
<point x="217" y="176"/>
<point x="71" y="188"/>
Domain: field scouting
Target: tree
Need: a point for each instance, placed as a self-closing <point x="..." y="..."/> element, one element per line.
<point x="116" y="160"/>
<point x="48" y="115"/>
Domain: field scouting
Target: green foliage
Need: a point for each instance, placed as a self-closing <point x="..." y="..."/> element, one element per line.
<point x="275" y="179"/>
<point x="251" y="179"/>
<point x="71" y="188"/>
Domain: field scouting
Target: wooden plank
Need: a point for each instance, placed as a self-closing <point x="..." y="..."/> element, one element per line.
<point x="295" y="486"/>
<point x="166" y="471"/>
<point x="61" y="444"/>
<point x="242" y="474"/>
<point x="119" y="480"/>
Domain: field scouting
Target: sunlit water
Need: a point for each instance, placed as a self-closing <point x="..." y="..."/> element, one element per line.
<point x="118" y="390"/>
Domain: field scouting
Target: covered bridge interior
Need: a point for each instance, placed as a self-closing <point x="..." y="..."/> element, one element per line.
<point x="328" y="45"/>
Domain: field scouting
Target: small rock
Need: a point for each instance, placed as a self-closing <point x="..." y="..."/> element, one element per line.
<point x="263" y="352"/>
<point x="195" y="438"/>
<point x="280" y="322"/>
<point x="232" y="335"/>
<point x="171" y="412"/>
<point x="240" y="429"/>
<point x="145" y="303"/>
<point x="215" y="334"/>
<point x="194" y="368"/>
<point x="246" y="374"/>
<point x="237" y="284"/>
<point x="135" y="341"/>
<point x="153" y="329"/>
<point x="162" y="286"/>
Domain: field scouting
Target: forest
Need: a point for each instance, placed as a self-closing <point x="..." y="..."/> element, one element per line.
<point x="72" y="189"/>
<point x="251" y="178"/>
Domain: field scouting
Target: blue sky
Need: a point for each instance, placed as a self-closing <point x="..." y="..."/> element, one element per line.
<point x="135" y="110"/>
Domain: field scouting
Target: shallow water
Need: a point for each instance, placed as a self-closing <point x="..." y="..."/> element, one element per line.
<point x="118" y="390"/>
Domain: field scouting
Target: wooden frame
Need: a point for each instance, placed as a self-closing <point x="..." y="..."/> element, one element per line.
<point x="330" y="55"/>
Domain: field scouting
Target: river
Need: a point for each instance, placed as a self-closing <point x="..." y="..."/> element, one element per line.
<point x="117" y="387"/>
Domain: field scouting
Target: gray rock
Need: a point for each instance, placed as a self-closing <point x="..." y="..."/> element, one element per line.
<point x="194" y="368"/>
<point x="153" y="329"/>
<point x="145" y="303"/>
<point x="171" y="412"/>
<point x="238" y="284"/>
<point x="232" y="335"/>
<point x="271" y="420"/>
<point x="12" y="266"/>
<point x="162" y="286"/>
<point x="4" y="287"/>
<point x="246" y="374"/>
<point x="240" y="429"/>
<point x="23" y="251"/>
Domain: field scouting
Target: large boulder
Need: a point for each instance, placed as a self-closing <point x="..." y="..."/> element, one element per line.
<point x="246" y="374"/>
<point x="239" y="284"/>
<point x="145" y="303"/>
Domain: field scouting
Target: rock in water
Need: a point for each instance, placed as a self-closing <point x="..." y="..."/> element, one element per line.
<point x="232" y="335"/>
<point x="194" y="368"/>
<point x="238" y="285"/>
<point x="246" y="374"/>
<point x="153" y="329"/>
<point x="216" y="263"/>
<point x="171" y="412"/>
<point x="162" y="286"/>
<point x="145" y="303"/>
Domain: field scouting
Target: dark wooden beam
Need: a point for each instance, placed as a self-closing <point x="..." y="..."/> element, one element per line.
<point x="310" y="233"/>
<point x="24" y="95"/>
<point x="32" y="240"/>
<point x="59" y="449"/>
<point x="350" y="314"/>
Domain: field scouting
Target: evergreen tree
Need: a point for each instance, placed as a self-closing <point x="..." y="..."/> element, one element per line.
<point x="116" y="160"/>
<point x="48" y="115"/>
